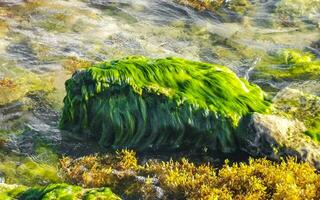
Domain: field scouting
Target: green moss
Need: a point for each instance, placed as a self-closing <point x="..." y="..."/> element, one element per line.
<point x="55" y="191"/>
<point x="289" y="65"/>
<point x="139" y="103"/>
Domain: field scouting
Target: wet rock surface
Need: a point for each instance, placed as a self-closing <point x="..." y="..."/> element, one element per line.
<point x="11" y="2"/>
<point x="304" y="106"/>
<point x="275" y="137"/>
<point x="40" y="126"/>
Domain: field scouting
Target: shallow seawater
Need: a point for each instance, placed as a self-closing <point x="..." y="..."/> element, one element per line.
<point x="38" y="38"/>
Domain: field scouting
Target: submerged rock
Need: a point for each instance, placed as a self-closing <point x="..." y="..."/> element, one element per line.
<point x="275" y="137"/>
<point x="300" y="105"/>
<point x="167" y="103"/>
<point x="288" y="65"/>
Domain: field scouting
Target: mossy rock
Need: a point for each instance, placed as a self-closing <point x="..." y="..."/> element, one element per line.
<point x="54" y="192"/>
<point x="170" y="103"/>
<point x="305" y="107"/>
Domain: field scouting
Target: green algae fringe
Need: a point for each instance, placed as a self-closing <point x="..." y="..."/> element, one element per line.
<point x="143" y="103"/>
<point x="55" y="191"/>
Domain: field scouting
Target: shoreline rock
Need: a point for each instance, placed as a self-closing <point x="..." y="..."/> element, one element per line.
<point x="276" y="137"/>
<point x="170" y="103"/>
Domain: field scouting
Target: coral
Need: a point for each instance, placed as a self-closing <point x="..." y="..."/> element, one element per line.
<point x="257" y="179"/>
<point x="140" y="103"/>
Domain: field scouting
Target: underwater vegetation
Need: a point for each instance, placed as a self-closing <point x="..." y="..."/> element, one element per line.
<point x="289" y="65"/>
<point x="182" y="179"/>
<point x="290" y="12"/>
<point x="15" y="85"/>
<point x="202" y="5"/>
<point x="72" y="64"/>
<point x="55" y="191"/>
<point x="302" y="106"/>
<point x="40" y="169"/>
<point x="60" y="19"/>
<point x="3" y="28"/>
<point x="137" y="102"/>
<point x="237" y="6"/>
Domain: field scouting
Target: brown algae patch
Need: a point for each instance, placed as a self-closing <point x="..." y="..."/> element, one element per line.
<point x="3" y="28"/>
<point x="183" y="179"/>
<point x="72" y="64"/>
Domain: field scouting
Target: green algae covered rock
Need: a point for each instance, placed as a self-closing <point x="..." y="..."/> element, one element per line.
<point x="143" y="103"/>
<point x="289" y="64"/>
<point x="54" y="192"/>
<point x="65" y="191"/>
<point x="9" y="192"/>
<point x="300" y="105"/>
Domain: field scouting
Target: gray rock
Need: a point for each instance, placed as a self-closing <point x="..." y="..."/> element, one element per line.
<point x="275" y="137"/>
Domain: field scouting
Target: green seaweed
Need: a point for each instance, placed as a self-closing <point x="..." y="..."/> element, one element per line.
<point x="8" y="192"/>
<point x="140" y="103"/>
<point x="100" y="194"/>
<point x="289" y="65"/>
<point x="54" y="192"/>
<point x="26" y="171"/>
